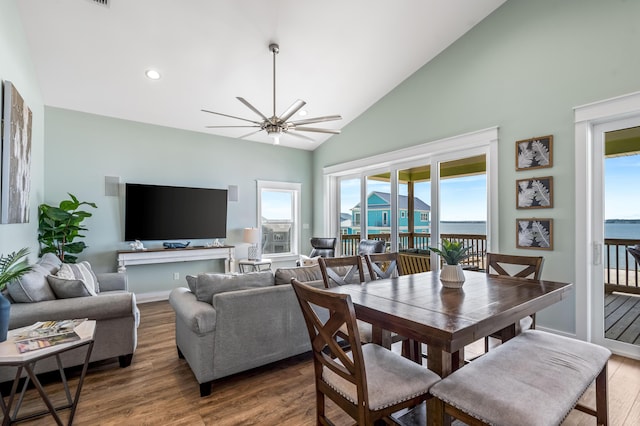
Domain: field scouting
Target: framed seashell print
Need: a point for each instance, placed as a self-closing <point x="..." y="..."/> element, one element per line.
<point x="534" y="233"/>
<point x="534" y="153"/>
<point x="534" y="193"/>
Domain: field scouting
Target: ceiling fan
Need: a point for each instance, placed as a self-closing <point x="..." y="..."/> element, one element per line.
<point x="276" y="126"/>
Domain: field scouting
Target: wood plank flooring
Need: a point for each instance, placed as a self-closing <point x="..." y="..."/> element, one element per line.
<point x="622" y="317"/>
<point x="159" y="389"/>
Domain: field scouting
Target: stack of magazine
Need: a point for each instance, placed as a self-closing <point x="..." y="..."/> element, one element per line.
<point x="45" y="334"/>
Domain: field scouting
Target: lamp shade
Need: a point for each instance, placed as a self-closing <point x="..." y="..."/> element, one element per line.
<point x="251" y="235"/>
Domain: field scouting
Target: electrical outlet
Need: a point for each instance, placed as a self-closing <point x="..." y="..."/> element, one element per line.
<point x="176" y="275"/>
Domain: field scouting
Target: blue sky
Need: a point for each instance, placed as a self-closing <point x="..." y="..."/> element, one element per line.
<point x="622" y="175"/>
<point x="462" y="199"/>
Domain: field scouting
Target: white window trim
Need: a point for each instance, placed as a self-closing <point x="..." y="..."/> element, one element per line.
<point x="296" y="189"/>
<point x="471" y="144"/>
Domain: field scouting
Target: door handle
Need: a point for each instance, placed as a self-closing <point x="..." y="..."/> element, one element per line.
<point x="597" y="253"/>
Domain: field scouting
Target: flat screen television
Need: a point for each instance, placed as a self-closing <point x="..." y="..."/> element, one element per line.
<point x="156" y="212"/>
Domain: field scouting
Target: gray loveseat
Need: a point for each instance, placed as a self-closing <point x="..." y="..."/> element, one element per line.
<point x="114" y="309"/>
<point x="228" y="323"/>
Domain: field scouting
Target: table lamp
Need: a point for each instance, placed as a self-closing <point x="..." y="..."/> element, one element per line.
<point x="252" y="236"/>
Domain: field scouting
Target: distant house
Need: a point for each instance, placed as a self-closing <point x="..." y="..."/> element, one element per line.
<point x="276" y="236"/>
<point x="379" y="215"/>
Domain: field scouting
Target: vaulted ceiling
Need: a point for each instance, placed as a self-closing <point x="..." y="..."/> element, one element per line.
<point x="339" y="56"/>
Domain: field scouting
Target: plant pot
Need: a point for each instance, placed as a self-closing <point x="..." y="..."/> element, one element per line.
<point x="452" y="276"/>
<point x="5" y="306"/>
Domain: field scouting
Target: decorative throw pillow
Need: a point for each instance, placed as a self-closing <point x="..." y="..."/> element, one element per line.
<point x="66" y="289"/>
<point x="308" y="261"/>
<point x="50" y="262"/>
<point x="31" y="287"/>
<point x="80" y="271"/>
<point x="301" y="273"/>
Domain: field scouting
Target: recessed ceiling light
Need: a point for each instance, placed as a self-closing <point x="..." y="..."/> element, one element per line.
<point x="152" y="74"/>
<point x="302" y="112"/>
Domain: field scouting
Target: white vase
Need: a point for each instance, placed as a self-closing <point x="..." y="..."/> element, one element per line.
<point x="452" y="276"/>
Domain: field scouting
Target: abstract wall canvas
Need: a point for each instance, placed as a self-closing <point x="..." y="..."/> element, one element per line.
<point x="15" y="178"/>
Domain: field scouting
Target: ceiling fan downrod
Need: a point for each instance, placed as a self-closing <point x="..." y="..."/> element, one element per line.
<point x="275" y="49"/>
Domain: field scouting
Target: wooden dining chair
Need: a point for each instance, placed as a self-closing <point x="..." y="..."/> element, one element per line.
<point x="383" y="265"/>
<point x="413" y="263"/>
<point x="369" y="382"/>
<point x="337" y="271"/>
<point x="387" y="265"/>
<point x="525" y="267"/>
<point x="341" y="270"/>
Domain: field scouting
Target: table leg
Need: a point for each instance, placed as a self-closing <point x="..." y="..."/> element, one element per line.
<point x="442" y="363"/>
<point x="380" y="336"/>
<point x="508" y="333"/>
<point x="43" y="394"/>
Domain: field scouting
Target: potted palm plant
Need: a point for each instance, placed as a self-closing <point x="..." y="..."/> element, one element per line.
<point x="452" y="252"/>
<point x="12" y="267"/>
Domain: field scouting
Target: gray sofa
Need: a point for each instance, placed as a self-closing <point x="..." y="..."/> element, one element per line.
<point x="228" y="323"/>
<point x="114" y="309"/>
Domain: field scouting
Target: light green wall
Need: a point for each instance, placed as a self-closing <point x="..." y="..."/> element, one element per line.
<point x="16" y="66"/>
<point x="81" y="149"/>
<point x="523" y="69"/>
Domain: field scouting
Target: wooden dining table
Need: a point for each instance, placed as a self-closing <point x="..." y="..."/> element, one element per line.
<point x="418" y="307"/>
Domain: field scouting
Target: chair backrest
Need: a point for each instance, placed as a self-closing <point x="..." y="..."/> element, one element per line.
<point x="371" y="246"/>
<point x="516" y="266"/>
<point x="635" y="252"/>
<point x="324" y="247"/>
<point x="341" y="270"/>
<point x="325" y="336"/>
<point x="383" y="265"/>
<point x="414" y="263"/>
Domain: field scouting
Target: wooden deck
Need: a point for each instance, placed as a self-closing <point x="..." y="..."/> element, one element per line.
<point x="622" y="317"/>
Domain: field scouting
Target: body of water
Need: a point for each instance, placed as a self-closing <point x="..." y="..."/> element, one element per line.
<point x="629" y="230"/>
<point x="626" y="230"/>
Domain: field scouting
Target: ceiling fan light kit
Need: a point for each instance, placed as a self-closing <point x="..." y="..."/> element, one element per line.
<point x="277" y="126"/>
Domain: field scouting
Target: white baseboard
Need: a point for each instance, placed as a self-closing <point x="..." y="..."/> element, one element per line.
<point x="558" y="332"/>
<point x="154" y="296"/>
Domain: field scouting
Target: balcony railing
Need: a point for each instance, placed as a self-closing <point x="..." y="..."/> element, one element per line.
<point x="620" y="268"/>
<point x="421" y="243"/>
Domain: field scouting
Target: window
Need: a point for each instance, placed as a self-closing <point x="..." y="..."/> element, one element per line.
<point x="279" y="218"/>
<point x="406" y="192"/>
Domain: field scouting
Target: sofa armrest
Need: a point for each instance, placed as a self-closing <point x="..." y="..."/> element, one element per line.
<point x="199" y="316"/>
<point x="104" y="306"/>
<point x="112" y="281"/>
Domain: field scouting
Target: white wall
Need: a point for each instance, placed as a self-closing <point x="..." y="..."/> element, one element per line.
<point x="522" y="69"/>
<point x="81" y="149"/>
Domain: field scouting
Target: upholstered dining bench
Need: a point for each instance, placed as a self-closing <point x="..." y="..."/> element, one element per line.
<point x="536" y="378"/>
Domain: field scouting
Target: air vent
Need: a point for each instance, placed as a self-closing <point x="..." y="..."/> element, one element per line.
<point x="104" y="3"/>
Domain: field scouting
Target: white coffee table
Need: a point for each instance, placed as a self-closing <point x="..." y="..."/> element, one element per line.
<point x="10" y="356"/>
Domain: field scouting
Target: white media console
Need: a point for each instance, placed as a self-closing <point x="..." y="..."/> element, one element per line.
<point x="189" y="254"/>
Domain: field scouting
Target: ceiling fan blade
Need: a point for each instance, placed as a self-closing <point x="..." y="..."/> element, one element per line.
<point x="249" y="134"/>
<point x="317" y="130"/>
<point x="317" y="119"/>
<point x="224" y="127"/>
<point x="300" y="136"/>
<point x="292" y="110"/>
<point x="231" y="116"/>
<point x="252" y="108"/>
